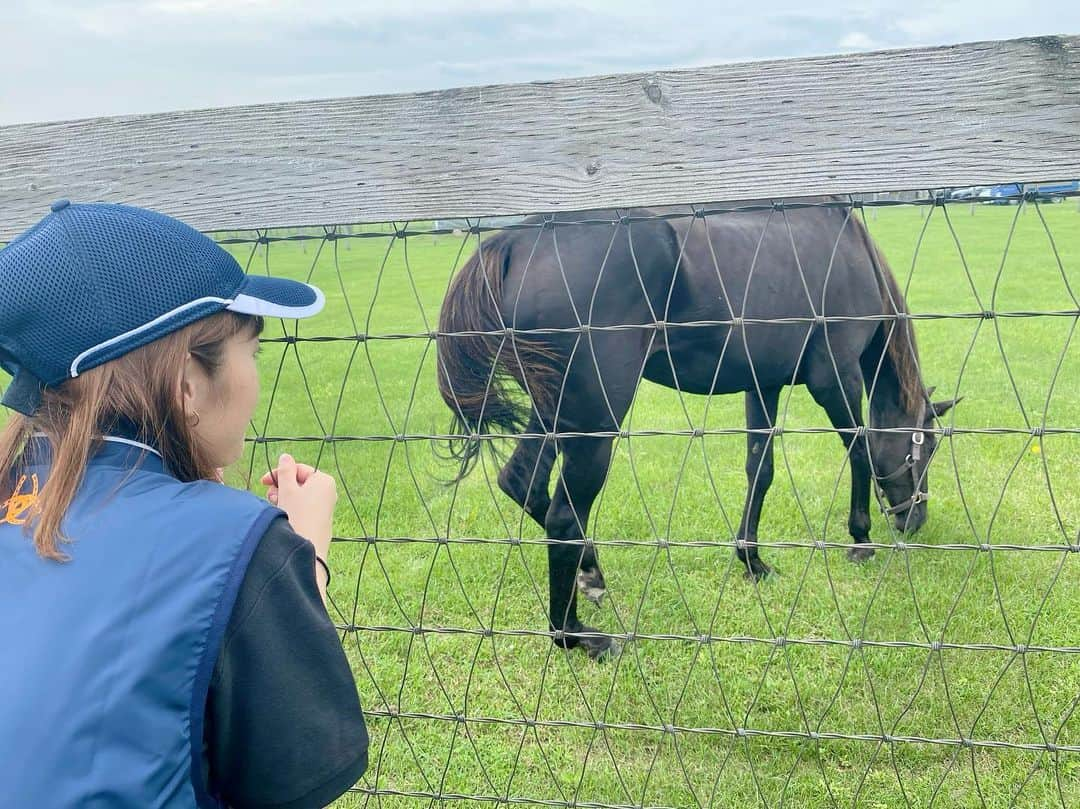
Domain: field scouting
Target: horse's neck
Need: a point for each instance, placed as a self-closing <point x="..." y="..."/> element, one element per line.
<point x="886" y="404"/>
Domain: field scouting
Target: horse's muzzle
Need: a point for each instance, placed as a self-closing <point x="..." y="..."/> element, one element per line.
<point x="912" y="520"/>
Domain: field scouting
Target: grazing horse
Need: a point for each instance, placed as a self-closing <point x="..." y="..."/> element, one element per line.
<point x="743" y="301"/>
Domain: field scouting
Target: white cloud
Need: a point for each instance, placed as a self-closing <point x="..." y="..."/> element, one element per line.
<point x="80" y="58"/>
<point x="858" y="41"/>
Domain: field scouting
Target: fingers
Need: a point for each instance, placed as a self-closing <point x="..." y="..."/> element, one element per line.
<point x="286" y="472"/>
<point x="288" y="475"/>
<point x="303" y="471"/>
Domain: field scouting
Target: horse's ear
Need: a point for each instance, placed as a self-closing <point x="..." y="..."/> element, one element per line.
<point x="939" y="409"/>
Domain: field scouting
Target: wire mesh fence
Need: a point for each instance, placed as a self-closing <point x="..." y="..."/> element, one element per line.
<point x="941" y="669"/>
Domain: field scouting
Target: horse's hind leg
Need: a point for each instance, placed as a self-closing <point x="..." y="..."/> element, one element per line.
<point x="526" y="475"/>
<point x="525" y="479"/>
<point x="600" y="386"/>
<point x="572" y="562"/>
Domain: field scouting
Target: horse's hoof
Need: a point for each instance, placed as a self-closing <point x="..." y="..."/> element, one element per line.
<point x="602" y="649"/>
<point x="590" y="584"/>
<point x="759" y="571"/>
<point x="859" y="553"/>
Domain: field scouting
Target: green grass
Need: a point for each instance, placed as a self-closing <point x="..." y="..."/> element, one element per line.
<point x="992" y="489"/>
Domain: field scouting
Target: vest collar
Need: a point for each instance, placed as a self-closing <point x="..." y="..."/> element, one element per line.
<point x="115" y="451"/>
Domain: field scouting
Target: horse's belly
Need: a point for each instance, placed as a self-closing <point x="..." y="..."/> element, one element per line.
<point x="768" y="356"/>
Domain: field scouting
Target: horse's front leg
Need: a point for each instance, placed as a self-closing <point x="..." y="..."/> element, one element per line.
<point x="760" y="416"/>
<point x="859" y="514"/>
<point x="843" y="404"/>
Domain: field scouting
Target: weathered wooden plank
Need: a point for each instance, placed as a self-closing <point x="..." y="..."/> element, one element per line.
<point x="923" y="118"/>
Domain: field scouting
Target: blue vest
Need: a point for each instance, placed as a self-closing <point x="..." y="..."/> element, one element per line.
<point x="107" y="658"/>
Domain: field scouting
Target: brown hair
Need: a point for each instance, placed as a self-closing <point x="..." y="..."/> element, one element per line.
<point x="138" y="390"/>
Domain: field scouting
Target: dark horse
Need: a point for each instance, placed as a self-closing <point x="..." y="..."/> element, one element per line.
<point x="666" y="277"/>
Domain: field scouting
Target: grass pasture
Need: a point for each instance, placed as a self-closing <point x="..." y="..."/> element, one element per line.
<point x="927" y="645"/>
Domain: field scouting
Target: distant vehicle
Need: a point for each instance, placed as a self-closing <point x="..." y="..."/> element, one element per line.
<point x="970" y="192"/>
<point x="1010" y="193"/>
<point x="1056" y="190"/>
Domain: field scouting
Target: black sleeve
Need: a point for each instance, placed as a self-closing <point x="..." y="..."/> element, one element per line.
<point x="283" y="722"/>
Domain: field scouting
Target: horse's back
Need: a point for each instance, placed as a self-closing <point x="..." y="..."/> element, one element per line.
<point x="663" y="267"/>
<point x="760" y="267"/>
<point x="601" y="268"/>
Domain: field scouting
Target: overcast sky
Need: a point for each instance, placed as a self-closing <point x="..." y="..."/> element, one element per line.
<point x="63" y="59"/>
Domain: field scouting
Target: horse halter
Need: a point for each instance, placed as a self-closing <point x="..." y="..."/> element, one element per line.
<point x="909" y="466"/>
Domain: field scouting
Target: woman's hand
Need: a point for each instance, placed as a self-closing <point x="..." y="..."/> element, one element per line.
<point x="308" y="496"/>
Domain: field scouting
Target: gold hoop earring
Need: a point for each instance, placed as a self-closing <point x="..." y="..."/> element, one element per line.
<point x="195" y="423"/>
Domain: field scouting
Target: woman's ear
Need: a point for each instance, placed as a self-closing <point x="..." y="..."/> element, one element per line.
<point x="192" y="386"/>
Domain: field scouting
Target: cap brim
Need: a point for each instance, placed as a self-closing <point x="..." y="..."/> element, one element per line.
<point x="276" y="297"/>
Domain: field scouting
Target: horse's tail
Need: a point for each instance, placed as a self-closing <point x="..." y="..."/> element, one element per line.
<point x="901" y="351"/>
<point x="478" y="356"/>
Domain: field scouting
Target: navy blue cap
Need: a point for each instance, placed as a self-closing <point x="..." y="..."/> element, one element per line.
<point x="89" y="283"/>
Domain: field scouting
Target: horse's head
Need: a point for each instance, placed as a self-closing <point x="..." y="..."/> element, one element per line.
<point x="901" y="458"/>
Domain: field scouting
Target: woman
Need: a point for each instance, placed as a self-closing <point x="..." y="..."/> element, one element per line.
<point x="166" y="640"/>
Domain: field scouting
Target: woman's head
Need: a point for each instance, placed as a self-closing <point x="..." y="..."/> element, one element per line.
<point x="91" y="283"/>
<point x="121" y="319"/>
<point x="189" y="394"/>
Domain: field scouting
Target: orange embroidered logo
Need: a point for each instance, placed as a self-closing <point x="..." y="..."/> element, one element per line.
<point x="18" y="505"/>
